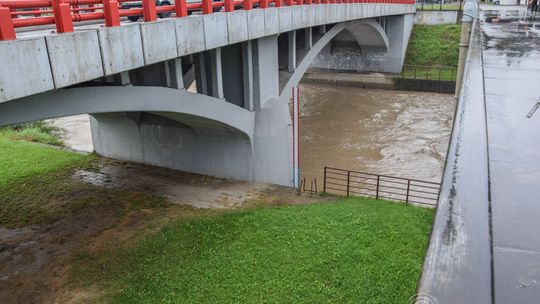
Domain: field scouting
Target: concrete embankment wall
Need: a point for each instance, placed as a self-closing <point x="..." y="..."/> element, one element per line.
<point x="435" y="17"/>
<point x="378" y="81"/>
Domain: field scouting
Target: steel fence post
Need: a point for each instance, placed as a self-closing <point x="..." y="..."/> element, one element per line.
<point x="377" y="192"/>
<point x="348" y="181"/>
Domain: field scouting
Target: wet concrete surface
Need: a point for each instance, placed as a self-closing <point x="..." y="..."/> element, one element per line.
<point x="511" y="60"/>
<point x="457" y="267"/>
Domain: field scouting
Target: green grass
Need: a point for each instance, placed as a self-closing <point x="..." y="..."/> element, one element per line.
<point x="434" y="45"/>
<point x="30" y="176"/>
<point x="40" y="131"/>
<point x="37" y="186"/>
<point x="434" y="49"/>
<point x="21" y="160"/>
<point x="351" y="251"/>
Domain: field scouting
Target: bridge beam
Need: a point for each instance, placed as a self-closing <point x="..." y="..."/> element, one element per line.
<point x="176" y="78"/>
<point x="247" y="66"/>
<point x="292" y="51"/>
<point x="216" y="71"/>
<point x="265" y="70"/>
<point x="308" y="38"/>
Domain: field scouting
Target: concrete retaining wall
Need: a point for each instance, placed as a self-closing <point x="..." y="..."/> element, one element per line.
<point x="435" y="17"/>
<point x="378" y="81"/>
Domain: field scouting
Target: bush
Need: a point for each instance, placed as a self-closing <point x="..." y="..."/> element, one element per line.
<point x="40" y="131"/>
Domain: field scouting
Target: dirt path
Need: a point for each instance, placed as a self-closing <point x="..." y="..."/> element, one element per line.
<point x="35" y="260"/>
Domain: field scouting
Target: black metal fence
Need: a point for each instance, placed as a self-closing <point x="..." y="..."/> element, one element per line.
<point x="354" y="183"/>
<point x="427" y="78"/>
<point x="438" y="5"/>
<point x="439" y="73"/>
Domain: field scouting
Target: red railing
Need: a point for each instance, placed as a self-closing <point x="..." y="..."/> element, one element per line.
<point x="64" y="13"/>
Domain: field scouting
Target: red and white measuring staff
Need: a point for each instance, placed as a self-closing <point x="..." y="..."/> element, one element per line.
<point x="295" y="137"/>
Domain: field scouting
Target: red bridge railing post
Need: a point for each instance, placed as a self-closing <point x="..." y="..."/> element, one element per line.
<point x="62" y="16"/>
<point x="248" y="5"/>
<point x="180" y="7"/>
<point x="111" y="12"/>
<point x="149" y="10"/>
<point x="7" y="30"/>
<point x="207" y="7"/>
<point x="228" y="5"/>
<point x="263" y="3"/>
<point x="289" y="2"/>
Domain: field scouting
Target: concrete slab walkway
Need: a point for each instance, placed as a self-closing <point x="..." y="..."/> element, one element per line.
<point x="485" y="243"/>
<point x="511" y="64"/>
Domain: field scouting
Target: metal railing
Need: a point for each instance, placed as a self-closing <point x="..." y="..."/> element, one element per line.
<point x="439" y="5"/>
<point x="63" y="13"/>
<point x="438" y="73"/>
<point x="312" y="190"/>
<point x="354" y="183"/>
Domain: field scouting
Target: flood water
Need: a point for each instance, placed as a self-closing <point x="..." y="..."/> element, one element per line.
<point x="76" y="132"/>
<point x="397" y="133"/>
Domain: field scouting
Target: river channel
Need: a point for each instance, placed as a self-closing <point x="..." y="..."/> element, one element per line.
<point x="396" y="133"/>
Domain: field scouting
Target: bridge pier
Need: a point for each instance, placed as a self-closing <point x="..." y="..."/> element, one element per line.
<point x="292" y="51"/>
<point x="308" y="38"/>
<point x="194" y="144"/>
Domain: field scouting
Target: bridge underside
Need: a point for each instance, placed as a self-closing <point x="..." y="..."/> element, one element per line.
<point x="235" y="120"/>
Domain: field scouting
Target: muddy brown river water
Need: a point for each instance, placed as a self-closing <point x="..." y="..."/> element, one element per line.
<point x="398" y="133"/>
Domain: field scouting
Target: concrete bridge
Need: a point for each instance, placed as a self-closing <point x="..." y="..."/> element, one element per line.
<point x="132" y="77"/>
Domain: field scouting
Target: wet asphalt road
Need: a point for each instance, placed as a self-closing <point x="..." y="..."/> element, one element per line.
<point x="511" y="64"/>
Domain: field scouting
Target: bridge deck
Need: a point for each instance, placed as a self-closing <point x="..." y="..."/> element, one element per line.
<point x="511" y="61"/>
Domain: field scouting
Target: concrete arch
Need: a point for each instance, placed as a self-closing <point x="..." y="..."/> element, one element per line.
<point x="365" y="32"/>
<point x="368" y="33"/>
<point x="200" y="112"/>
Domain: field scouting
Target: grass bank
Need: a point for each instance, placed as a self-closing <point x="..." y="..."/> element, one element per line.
<point x="351" y="251"/>
<point x="39" y="131"/>
<point x="433" y="46"/>
<point x="21" y="160"/>
<point x="348" y="251"/>
<point x="37" y="187"/>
